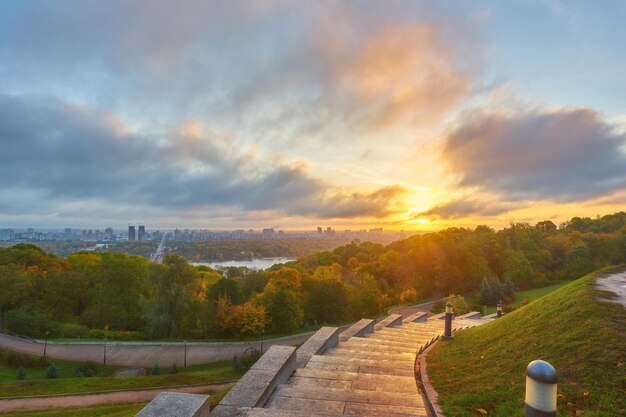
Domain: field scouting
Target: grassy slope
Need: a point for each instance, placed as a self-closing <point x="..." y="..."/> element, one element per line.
<point x="35" y="384"/>
<point x="585" y="339"/>
<point x="520" y="297"/>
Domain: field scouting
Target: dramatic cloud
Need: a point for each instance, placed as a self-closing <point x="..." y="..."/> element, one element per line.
<point x="72" y="153"/>
<point x="560" y="155"/>
<point x="319" y="68"/>
<point x="467" y="208"/>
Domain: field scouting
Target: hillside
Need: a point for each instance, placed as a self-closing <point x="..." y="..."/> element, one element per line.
<point x="576" y="328"/>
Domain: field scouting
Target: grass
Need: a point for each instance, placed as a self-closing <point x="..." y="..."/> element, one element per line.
<point x="119" y="410"/>
<point x="521" y="297"/>
<point x="37" y="384"/>
<point x="583" y="337"/>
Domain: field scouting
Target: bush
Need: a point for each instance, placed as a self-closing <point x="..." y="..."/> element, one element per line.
<point x="87" y="369"/>
<point x="174" y="369"/>
<point x="439" y="306"/>
<point x="156" y="370"/>
<point x="21" y="373"/>
<point x="459" y="305"/>
<point x="33" y="324"/>
<point x="74" y="331"/>
<point x="114" y="335"/>
<point x="15" y="359"/>
<point x="52" y="372"/>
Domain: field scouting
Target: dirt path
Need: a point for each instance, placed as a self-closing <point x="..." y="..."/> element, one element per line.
<point x="616" y="283"/>
<point x="87" y="400"/>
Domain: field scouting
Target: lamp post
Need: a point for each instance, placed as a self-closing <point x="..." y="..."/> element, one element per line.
<point x="104" y="362"/>
<point x="541" y="381"/>
<point x="185" y="347"/>
<point x="448" y="329"/>
<point x="499" y="309"/>
<point x="45" y="344"/>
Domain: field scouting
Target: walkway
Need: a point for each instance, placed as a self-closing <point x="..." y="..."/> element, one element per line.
<point x="372" y="375"/>
<point x="615" y="283"/>
<point x="87" y="400"/>
<point x="143" y="354"/>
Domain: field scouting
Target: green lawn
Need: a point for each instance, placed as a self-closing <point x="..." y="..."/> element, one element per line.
<point x="37" y="384"/>
<point x="585" y="340"/>
<point x="521" y="297"/>
<point x="119" y="410"/>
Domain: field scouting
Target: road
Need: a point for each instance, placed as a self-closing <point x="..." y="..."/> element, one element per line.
<point x="143" y="354"/>
<point x="88" y="400"/>
<point x="158" y="255"/>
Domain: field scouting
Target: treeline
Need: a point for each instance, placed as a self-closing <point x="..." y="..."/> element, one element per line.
<point x="241" y="249"/>
<point x="120" y="296"/>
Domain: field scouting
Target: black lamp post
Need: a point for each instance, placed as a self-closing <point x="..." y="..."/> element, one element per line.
<point x="45" y="344"/>
<point x="104" y="362"/>
<point x="185" y="347"/>
<point x="499" y="308"/>
<point x="448" y="327"/>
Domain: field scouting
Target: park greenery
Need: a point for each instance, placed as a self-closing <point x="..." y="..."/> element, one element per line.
<point x="25" y="375"/>
<point x="117" y="296"/>
<point x="577" y="328"/>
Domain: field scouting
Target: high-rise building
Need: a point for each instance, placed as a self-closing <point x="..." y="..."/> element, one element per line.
<point x="141" y="235"/>
<point x="131" y="233"/>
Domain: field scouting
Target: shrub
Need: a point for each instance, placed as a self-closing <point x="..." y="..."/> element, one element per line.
<point x="439" y="306"/>
<point x="459" y="305"/>
<point x="33" y="324"/>
<point x="174" y="369"/>
<point x="15" y="359"/>
<point x="156" y="370"/>
<point x="52" y="372"/>
<point x="21" y="373"/>
<point x="87" y="369"/>
<point x="72" y="330"/>
<point x="507" y="308"/>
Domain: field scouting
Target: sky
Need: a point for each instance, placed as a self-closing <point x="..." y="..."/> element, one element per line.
<point x="407" y="115"/>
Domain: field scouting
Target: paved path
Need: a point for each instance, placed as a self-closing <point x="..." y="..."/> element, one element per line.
<point x="616" y="283"/>
<point x="87" y="400"/>
<point x="143" y="354"/>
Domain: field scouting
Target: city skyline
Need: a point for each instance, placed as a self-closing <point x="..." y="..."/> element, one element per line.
<point x="405" y="115"/>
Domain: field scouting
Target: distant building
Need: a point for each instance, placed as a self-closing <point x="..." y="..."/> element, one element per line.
<point x="131" y="233"/>
<point x="141" y="235"/>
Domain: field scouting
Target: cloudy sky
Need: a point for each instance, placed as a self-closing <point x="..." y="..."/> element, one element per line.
<point x="399" y="114"/>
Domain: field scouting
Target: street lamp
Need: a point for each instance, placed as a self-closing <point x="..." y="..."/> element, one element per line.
<point x="105" y="351"/>
<point x="45" y="344"/>
<point x="185" y="364"/>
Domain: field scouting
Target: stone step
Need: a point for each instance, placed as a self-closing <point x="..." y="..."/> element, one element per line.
<point x="299" y="407"/>
<point x="396" y="341"/>
<point x="407" y="334"/>
<point x="376" y="410"/>
<point x="389" y="321"/>
<point x="377" y="345"/>
<point x="408" y="331"/>
<point x="380" y="363"/>
<point x="352" y="395"/>
<point x="368" y="353"/>
<point x="353" y="376"/>
<point x="419" y="316"/>
<point x="366" y="382"/>
<point x="361" y="369"/>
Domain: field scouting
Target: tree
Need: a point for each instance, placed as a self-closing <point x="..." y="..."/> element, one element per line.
<point x="325" y="295"/>
<point x="253" y="320"/>
<point x="280" y="300"/>
<point x="225" y="287"/>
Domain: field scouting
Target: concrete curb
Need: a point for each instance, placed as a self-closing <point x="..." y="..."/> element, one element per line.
<point x="423" y="385"/>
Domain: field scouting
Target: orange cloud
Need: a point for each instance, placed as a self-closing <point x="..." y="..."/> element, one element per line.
<point x="399" y="75"/>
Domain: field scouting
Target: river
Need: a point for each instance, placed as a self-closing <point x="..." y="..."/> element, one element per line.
<point x="260" y="263"/>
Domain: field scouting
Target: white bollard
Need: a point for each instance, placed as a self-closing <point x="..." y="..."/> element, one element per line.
<point x="541" y="381"/>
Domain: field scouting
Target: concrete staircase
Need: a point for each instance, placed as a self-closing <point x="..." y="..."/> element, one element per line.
<point x="370" y="373"/>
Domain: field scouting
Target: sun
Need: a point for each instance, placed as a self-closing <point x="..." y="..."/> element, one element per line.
<point x="422" y="220"/>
